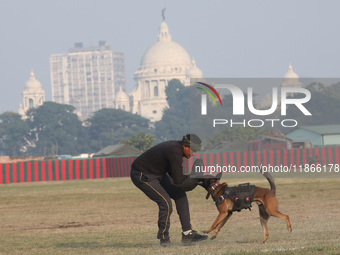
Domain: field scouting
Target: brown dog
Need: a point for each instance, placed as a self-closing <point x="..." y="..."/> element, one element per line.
<point x="265" y="198"/>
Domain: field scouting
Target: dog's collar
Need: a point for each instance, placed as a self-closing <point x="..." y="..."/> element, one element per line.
<point x="213" y="187"/>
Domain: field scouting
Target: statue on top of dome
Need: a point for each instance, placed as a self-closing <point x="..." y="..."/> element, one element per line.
<point x="163" y="13"/>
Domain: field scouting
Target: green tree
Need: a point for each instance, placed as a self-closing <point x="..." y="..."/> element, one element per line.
<point x="108" y="126"/>
<point x="56" y="129"/>
<point x="316" y="86"/>
<point x="333" y="90"/>
<point x="324" y="107"/>
<point x="141" y="141"/>
<point x="176" y="119"/>
<point x="176" y="93"/>
<point x="13" y="134"/>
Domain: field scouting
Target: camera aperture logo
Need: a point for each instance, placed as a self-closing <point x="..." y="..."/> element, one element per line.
<point x="278" y="102"/>
<point x="204" y="97"/>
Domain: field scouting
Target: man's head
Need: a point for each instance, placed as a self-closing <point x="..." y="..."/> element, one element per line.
<point x="191" y="143"/>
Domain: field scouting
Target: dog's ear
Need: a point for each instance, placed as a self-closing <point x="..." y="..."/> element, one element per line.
<point x="219" y="175"/>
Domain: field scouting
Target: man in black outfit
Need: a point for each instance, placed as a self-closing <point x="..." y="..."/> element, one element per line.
<point x="158" y="172"/>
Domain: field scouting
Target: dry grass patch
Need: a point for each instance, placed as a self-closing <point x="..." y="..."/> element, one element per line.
<point x="111" y="216"/>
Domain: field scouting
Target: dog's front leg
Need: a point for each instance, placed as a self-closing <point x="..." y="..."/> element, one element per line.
<point x="223" y="211"/>
<point x="220" y="225"/>
<point x="218" y="220"/>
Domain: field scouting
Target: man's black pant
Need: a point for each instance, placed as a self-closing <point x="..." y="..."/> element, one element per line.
<point x="160" y="189"/>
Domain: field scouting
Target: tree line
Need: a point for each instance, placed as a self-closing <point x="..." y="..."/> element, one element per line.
<point x="53" y="129"/>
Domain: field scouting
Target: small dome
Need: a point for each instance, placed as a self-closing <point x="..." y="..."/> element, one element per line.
<point x="291" y="74"/>
<point x="194" y="71"/>
<point x="33" y="83"/>
<point x="164" y="25"/>
<point x="121" y="96"/>
<point x="165" y="52"/>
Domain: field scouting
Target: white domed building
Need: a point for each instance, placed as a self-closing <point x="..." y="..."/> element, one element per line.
<point x="163" y="61"/>
<point x="291" y="79"/>
<point x="122" y="100"/>
<point x="33" y="95"/>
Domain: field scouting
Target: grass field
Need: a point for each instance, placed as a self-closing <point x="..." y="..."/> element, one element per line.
<point x="111" y="216"/>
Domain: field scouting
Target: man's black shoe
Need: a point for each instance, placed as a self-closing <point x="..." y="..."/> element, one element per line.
<point x="192" y="237"/>
<point x="165" y="242"/>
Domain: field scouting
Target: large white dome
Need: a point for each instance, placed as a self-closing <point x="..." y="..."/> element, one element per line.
<point x="165" y="52"/>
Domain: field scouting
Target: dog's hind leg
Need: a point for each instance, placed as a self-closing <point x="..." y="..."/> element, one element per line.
<point x="272" y="210"/>
<point x="220" y="225"/>
<point x="264" y="216"/>
<point x="282" y="216"/>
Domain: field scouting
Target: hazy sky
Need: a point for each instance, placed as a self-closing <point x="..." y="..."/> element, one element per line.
<point x="226" y="38"/>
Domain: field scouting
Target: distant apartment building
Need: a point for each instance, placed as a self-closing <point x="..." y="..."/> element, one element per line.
<point x="87" y="78"/>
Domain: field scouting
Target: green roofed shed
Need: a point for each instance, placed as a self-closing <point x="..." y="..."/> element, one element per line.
<point x="321" y="135"/>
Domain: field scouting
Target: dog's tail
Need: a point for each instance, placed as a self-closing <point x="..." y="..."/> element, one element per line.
<point x="270" y="180"/>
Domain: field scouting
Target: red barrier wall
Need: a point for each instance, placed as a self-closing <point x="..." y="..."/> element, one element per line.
<point x="71" y="169"/>
<point x="291" y="158"/>
<point x="93" y="168"/>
